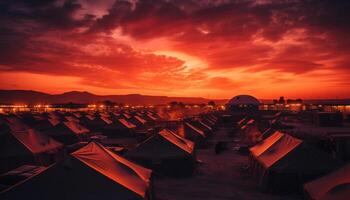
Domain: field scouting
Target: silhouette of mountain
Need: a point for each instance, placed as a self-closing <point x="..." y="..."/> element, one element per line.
<point x="34" y="97"/>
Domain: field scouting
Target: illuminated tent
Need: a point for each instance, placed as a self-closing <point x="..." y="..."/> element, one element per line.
<point x="165" y="153"/>
<point x="68" y="132"/>
<point x="209" y="121"/>
<point x="118" y="128"/>
<point x="21" y="145"/>
<point x="283" y="163"/>
<point x="333" y="186"/>
<point x="138" y="121"/>
<point x="39" y="122"/>
<point x="250" y="133"/>
<point x="71" y="119"/>
<point x="194" y="133"/>
<point x="95" y="123"/>
<point x="92" y="172"/>
<point x="268" y="132"/>
<point x="243" y="103"/>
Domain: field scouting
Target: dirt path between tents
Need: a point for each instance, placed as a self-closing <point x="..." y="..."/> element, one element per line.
<point x="219" y="177"/>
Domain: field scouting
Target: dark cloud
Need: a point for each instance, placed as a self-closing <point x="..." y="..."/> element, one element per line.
<point x="60" y="37"/>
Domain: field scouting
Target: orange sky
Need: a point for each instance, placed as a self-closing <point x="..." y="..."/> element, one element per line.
<point x="212" y="49"/>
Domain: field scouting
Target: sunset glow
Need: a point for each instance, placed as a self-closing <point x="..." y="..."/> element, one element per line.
<point x="212" y="49"/>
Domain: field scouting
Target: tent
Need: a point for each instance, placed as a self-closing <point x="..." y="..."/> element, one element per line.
<point x="165" y="153"/>
<point x="22" y="145"/>
<point x="283" y="163"/>
<point x="94" y="123"/>
<point x="250" y="133"/>
<point x="201" y="125"/>
<point x="92" y="172"/>
<point x="194" y="133"/>
<point x="268" y="132"/>
<point x="118" y="128"/>
<point x="68" y="132"/>
<point x="333" y="186"/>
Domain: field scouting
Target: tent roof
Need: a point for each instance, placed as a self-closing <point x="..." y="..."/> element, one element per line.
<point x="106" y="120"/>
<point x="197" y="130"/>
<point x="151" y="116"/>
<point x="76" y="127"/>
<point x="90" y="117"/>
<point x="205" y="125"/>
<point x="71" y="118"/>
<point x="35" y="141"/>
<point x="54" y="121"/>
<point x="244" y="99"/>
<point x="332" y="186"/>
<point x="261" y="147"/>
<point x="127" y="116"/>
<point x="15" y="124"/>
<point x="180" y="142"/>
<point x="140" y="119"/>
<point x="126" y="123"/>
<point x="242" y="122"/>
<point x="18" y="175"/>
<point x="118" y="169"/>
<point x="278" y="150"/>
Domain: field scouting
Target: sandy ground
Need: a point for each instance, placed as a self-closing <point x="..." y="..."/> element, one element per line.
<point x="219" y="177"/>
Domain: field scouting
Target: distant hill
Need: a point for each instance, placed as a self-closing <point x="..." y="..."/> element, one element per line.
<point x="34" y="97"/>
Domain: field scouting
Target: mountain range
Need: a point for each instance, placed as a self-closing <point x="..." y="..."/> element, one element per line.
<point x="34" y="97"/>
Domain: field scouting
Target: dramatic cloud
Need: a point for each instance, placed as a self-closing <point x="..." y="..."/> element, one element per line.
<point x="177" y="47"/>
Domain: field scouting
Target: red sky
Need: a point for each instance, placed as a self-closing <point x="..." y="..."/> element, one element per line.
<point x="214" y="49"/>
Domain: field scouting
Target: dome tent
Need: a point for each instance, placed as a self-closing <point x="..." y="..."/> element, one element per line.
<point x="243" y="103"/>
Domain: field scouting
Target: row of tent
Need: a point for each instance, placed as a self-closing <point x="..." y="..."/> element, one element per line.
<point x="93" y="168"/>
<point x="22" y="144"/>
<point x="71" y="127"/>
<point x="283" y="163"/>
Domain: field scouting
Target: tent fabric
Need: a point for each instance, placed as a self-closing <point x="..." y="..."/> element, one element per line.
<point x="127" y="116"/>
<point x="261" y="147"/>
<point x="84" y="176"/>
<point x="106" y="120"/>
<point x="242" y="122"/>
<point x="76" y="127"/>
<point x="15" y="124"/>
<point x="278" y="150"/>
<point x="141" y="120"/>
<point x="25" y="170"/>
<point x="163" y="145"/>
<point x="205" y="125"/>
<point x="120" y="170"/>
<point x="182" y="143"/>
<point x="18" y="175"/>
<point x="288" y="163"/>
<point x="54" y="121"/>
<point x="333" y="186"/>
<point x="35" y="141"/>
<point x="197" y="130"/>
<point x="268" y="132"/>
<point x="126" y="124"/>
<point x="90" y="117"/>
<point x="71" y="118"/>
<point x="151" y="116"/>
